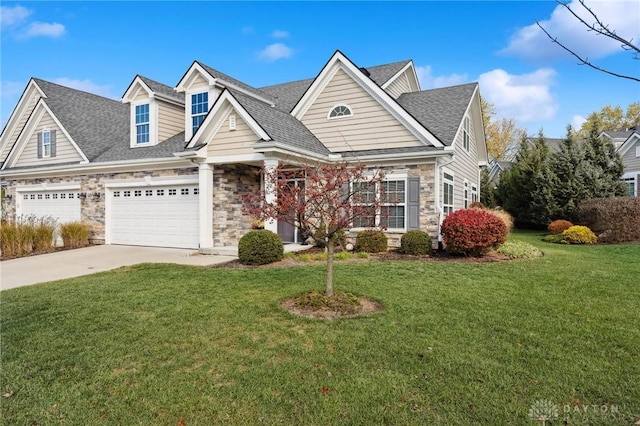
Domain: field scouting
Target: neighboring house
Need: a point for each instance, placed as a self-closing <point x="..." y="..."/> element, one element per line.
<point x="629" y="151"/>
<point x="617" y="137"/>
<point x="169" y="166"/>
<point x="495" y="168"/>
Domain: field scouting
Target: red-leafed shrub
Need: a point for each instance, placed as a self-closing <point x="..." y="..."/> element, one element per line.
<point x="559" y="226"/>
<point x="472" y="232"/>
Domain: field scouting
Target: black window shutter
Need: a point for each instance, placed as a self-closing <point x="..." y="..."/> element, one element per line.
<point x="413" y="203"/>
<point x="53" y="143"/>
<point x="39" y="144"/>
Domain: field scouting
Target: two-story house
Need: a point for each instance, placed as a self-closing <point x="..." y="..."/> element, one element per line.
<point x="168" y="166"/>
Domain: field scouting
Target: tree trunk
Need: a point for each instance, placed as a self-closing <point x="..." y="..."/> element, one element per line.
<point x="330" y="249"/>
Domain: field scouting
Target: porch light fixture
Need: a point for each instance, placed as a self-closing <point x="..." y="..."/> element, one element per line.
<point x="96" y="196"/>
<point x="8" y="196"/>
<point x="82" y="195"/>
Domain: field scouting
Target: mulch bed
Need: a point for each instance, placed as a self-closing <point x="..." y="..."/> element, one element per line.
<point x="367" y="306"/>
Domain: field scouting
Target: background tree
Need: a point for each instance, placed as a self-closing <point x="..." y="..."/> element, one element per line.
<point x="502" y="134"/>
<point x="612" y="118"/>
<point x="568" y="166"/>
<point x="525" y="190"/>
<point x="592" y="23"/>
<point x="487" y="191"/>
<point x="332" y="196"/>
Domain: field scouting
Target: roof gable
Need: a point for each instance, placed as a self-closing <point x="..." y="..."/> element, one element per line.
<point x="340" y="61"/>
<point x="631" y="141"/>
<point x="407" y="70"/>
<point x="153" y="89"/>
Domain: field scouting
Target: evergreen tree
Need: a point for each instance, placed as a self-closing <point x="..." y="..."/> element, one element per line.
<point x="487" y="191"/>
<point x="568" y="166"/>
<point x="603" y="169"/>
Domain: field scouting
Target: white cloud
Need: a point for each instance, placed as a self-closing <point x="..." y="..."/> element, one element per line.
<point x="525" y="97"/>
<point x="430" y="81"/>
<point x="45" y="29"/>
<point x="13" y="15"/>
<point x="577" y="121"/>
<point x="279" y="34"/>
<point x="275" y="51"/>
<point x="87" y="86"/>
<point x="621" y="16"/>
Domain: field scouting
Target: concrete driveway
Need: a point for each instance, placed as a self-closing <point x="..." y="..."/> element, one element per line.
<point x="74" y="263"/>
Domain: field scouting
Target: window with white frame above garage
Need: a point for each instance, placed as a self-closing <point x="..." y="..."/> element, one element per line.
<point x="199" y="109"/>
<point x="142" y="124"/>
<point x="46" y="140"/>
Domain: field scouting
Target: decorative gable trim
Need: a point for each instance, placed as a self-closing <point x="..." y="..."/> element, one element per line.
<point x="631" y="140"/>
<point x="190" y="74"/>
<point x="30" y="127"/>
<point x="218" y="113"/>
<point x="340" y="61"/>
<point x="18" y="112"/>
<point x="413" y="80"/>
<point x="134" y="88"/>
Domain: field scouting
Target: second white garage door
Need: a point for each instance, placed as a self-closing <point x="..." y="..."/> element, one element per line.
<point x="161" y="216"/>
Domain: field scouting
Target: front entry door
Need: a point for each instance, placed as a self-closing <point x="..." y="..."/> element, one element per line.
<point x="287" y="232"/>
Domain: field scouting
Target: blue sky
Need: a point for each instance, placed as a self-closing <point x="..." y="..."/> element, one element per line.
<point x="100" y="46"/>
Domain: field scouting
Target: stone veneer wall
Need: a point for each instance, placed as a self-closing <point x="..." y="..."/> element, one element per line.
<point x="92" y="210"/>
<point x="230" y="183"/>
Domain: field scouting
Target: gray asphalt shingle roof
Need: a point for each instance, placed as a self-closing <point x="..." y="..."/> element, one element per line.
<point x="163" y="89"/>
<point x="382" y="73"/>
<point x="439" y="110"/>
<point x="217" y="74"/>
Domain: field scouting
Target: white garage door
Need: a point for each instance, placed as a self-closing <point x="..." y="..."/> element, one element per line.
<point x="64" y="206"/>
<point x="161" y="216"/>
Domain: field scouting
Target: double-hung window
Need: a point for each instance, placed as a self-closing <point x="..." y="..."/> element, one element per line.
<point x="466" y="194"/>
<point x="199" y="109"/>
<point x="46" y="143"/>
<point x="474" y="193"/>
<point x="447" y="193"/>
<point x="142" y="124"/>
<point x="392" y="212"/>
<point x="631" y="186"/>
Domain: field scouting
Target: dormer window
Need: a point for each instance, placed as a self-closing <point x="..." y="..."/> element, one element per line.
<point x="199" y="109"/>
<point x="142" y="124"/>
<point x="340" y="111"/>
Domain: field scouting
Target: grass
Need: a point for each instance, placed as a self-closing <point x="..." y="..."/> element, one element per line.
<point x="458" y="343"/>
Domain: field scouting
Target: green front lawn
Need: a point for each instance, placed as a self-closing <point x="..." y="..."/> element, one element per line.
<point x="458" y="343"/>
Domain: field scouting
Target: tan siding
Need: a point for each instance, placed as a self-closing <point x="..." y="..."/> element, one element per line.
<point x="232" y="142"/>
<point x="464" y="167"/>
<point x="399" y="86"/>
<point x="371" y="127"/>
<point x="630" y="161"/>
<point x="199" y="82"/>
<point x="33" y="99"/>
<point x="65" y="152"/>
<point x="170" y="120"/>
<point x="141" y="96"/>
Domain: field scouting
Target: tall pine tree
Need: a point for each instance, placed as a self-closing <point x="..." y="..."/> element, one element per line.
<point x="603" y="169"/>
<point x="568" y="166"/>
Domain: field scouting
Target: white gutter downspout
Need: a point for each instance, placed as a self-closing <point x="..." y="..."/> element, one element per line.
<point x="438" y="205"/>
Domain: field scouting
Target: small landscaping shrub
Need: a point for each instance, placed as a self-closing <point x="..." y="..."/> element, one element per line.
<point x="553" y="238"/>
<point x="504" y="216"/>
<point x="416" y="243"/>
<point x="43" y="233"/>
<point x="75" y="234"/>
<point x="260" y="247"/>
<point x="579" y="235"/>
<point x="473" y="232"/>
<point x="371" y="241"/>
<point x="339" y="238"/>
<point x="613" y="220"/>
<point x="559" y="226"/>
<point x="17" y="237"/>
<point x="519" y="250"/>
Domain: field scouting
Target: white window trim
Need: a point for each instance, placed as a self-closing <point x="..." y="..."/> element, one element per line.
<point x="637" y="151"/>
<point x="189" y="103"/>
<point x="44" y="151"/>
<point x="632" y="177"/>
<point x="400" y="177"/>
<point x="474" y="193"/>
<point x="453" y="188"/>
<point x="153" y="123"/>
<point x="341" y="116"/>
<point x="465" y="194"/>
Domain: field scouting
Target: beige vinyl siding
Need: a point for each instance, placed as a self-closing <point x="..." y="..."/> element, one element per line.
<point x="170" y="120"/>
<point x="399" y="86"/>
<point x="232" y="142"/>
<point x="371" y="127"/>
<point x="33" y="97"/>
<point x="630" y="161"/>
<point x="65" y="152"/>
<point x="464" y="167"/>
<point x="141" y="96"/>
<point x="198" y="82"/>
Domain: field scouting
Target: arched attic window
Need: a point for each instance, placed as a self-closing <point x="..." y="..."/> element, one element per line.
<point x="340" y="111"/>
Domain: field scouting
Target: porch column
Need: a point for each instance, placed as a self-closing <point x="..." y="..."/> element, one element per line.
<point x="270" y="191"/>
<point x="205" y="205"/>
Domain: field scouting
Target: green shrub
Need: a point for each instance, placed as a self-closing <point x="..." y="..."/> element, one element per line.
<point x="614" y="220"/>
<point x="416" y="243"/>
<point x="553" y="238"/>
<point x="473" y="232"/>
<point x="43" y="234"/>
<point x="371" y="241"/>
<point x="519" y="250"/>
<point x="579" y="235"/>
<point x="343" y="255"/>
<point x="339" y="238"/>
<point x="260" y="247"/>
<point x="75" y="234"/>
<point x="559" y="226"/>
